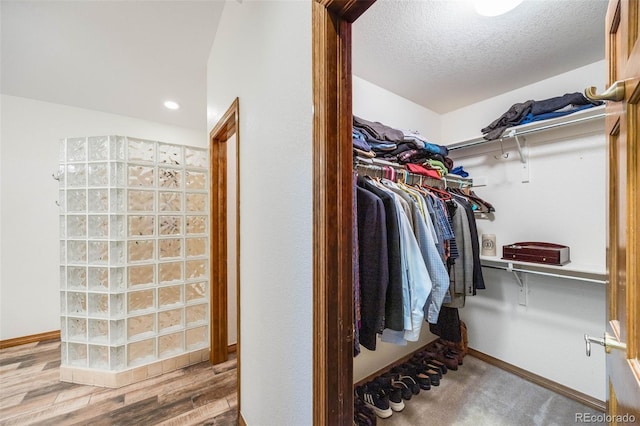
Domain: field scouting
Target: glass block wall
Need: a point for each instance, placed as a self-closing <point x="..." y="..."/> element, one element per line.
<point x="134" y="279"/>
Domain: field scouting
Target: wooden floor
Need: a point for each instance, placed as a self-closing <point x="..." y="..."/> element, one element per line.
<point x="31" y="393"/>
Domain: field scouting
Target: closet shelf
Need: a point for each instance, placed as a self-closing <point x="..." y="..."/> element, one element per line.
<point x="574" y="271"/>
<point x="579" y="117"/>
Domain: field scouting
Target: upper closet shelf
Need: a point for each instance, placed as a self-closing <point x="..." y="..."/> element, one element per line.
<point x="578" y="117"/>
<point x="572" y="270"/>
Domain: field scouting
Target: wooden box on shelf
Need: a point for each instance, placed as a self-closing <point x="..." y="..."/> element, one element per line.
<point x="537" y="252"/>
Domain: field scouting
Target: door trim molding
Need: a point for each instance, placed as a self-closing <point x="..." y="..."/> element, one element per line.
<point x="226" y="127"/>
<point x="333" y="210"/>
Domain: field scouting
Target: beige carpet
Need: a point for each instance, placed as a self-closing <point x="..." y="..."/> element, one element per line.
<point x="479" y="394"/>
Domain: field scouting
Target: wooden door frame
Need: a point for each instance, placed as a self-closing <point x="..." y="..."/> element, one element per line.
<point x="333" y="210"/>
<point x="224" y="129"/>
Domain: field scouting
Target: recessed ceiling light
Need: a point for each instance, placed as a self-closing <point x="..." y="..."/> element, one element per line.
<point x="171" y="105"/>
<point x="495" y="7"/>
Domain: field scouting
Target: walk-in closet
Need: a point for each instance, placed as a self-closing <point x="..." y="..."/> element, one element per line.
<point x="544" y="180"/>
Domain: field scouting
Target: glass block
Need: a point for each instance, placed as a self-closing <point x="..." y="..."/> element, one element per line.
<point x="98" y="252"/>
<point x="196" y="269"/>
<point x="98" y="200"/>
<point x="140" y="150"/>
<point x="98" y="279"/>
<point x="170" y="344"/>
<point x="195" y="180"/>
<point x="98" y="357"/>
<point x="196" y="314"/>
<point x="140" y="176"/>
<point x="62" y="201"/>
<point x="196" y="246"/>
<point x="76" y="175"/>
<point x="98" y="174"/>
<point x="196" y="157"/>
<point x="77" y="354"/>
<point x="169" y="225"/>
<point x="76" y="226"/>
<point x="98" y="148"/>
<point x="140" y="201"/>
<point x="169" y="247"/>
<point x="98" y="331"/>
<point x="117" y="176"/>
<point x="117" y="358"/>
<point x="63" y="329"/>
<point x="63" y="277"/>
<point x="62" y="150"/>
<point x="116" y="252"/>
<point x="98" y="226"/>
<point x="140" y="300"/>
<point x="196" y="202"/>
<point x="140" y="250"/>
<point x="63" y="252"/>
<point x="116" y="332"/>
<point x="169" y="178"/>
<point x="141" y="325"/>
<point x="76" y="149"/>
<point x="63" y="302"/>
<point x="168" y="296"/>
<point x="116" y="145"/>
<point x="141" y="225"/>
<point x="140" y="275"/>
<point x="168" y="272"/>
<point x="76" y="278"/>
<point x="196" y="337"/>
<point x="76" y="251"/>
<point x="99" y="305"/>
<point x="169" y="319"/>
<point x="77" y="329"/>
<point x="117" y="201"/>
<point x="62" y="181"/>
<point x="141" y="352"/>
<point x="116" y="307"/>
<point x="62" y="220"/>
<point x="117" y="228"/>
<point x="76" y="200"/>
<point x="170" y="154"/>
<point x="64" y="352"/>
<point x="196" y="291"/>
<point x="116" y="279"/>
<point x="169" y="201"/>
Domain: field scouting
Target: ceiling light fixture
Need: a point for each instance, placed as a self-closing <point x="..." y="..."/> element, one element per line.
<point x="171" y="105"/>
<point x="495" y="7"/>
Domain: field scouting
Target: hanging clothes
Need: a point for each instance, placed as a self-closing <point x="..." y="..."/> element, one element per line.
<point x="418" y="259"/>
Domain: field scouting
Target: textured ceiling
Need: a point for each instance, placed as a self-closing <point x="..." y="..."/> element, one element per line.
<point x="122" y="57"/>
<point x="126" y="57"/>
<point x="442" y="55"/>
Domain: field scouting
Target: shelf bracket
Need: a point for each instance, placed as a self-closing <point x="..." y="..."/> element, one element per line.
<point x="521" y="278"/>
<point x="523" y="151"/>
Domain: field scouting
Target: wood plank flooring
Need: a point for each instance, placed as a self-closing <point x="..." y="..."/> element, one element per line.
<point x="31" y="393"/>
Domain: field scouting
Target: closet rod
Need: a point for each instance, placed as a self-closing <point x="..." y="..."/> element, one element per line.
<point x="513" y="133"/>
<point x="375" y="164"/>
<point x="528" y="271"/>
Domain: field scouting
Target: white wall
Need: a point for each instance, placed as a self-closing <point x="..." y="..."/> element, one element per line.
<point x="467" y="122"/>
<point x="374" y="103"/>
<point x="262" y="54"/>
<point x="31" y="130"/>
<point x="565" y="202"/>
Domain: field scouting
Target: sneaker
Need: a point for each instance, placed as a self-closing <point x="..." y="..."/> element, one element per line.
<point x="394" y="393"/>
<point x="378" y="401"/>
<point x="405" y="390"/>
